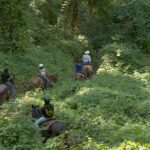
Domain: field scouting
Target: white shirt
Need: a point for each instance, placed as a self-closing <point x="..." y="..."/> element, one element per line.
<point x="86" y="58"/>
<point x="42" y="72"/>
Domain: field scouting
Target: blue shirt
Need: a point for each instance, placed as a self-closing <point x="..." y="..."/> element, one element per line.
<point x="78" y="68"/>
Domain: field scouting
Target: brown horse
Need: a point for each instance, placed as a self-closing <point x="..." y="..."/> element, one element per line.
<point x="88" y="70"/>
<point x="5" y="91"/>
<point x="79" y="76"/>
<point x="38" y="82"/>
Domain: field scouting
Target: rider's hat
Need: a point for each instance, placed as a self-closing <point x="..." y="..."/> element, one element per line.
<point x="41" y="65"/>
<point x="87" y="52"/>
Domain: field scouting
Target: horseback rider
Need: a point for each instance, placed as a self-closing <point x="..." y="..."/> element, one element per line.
<point x="6" y="79"/>
<point x="86" y="58"/>
<point x="43" y="74"/>
<point x="87" y="66"/>
<point x="79" y="69"/>
<point x="47" y="111"/>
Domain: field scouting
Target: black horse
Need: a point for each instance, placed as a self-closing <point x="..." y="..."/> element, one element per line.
<point x="53" y="127"/>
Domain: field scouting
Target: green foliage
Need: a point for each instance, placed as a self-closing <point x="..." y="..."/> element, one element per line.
<point x="111" y="111"/>
<point x="66" y="89"/>
<point x="132" y="23"/>
<point x="47" y="10"/>
<point x="124" y="57"/>
<point x="55" y="144"/>
<point x="17" y="128"/>
<point x="14" y="35"/>
<point x="111" y="108"/>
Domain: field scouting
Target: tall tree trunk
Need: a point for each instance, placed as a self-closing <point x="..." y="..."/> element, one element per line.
<point x="75" y="11"/>
<point x="91" y="4"/>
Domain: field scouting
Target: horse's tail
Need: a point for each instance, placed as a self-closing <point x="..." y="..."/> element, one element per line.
<point x="87" y="68"/>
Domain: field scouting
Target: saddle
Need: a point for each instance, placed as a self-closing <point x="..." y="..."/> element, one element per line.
<point x="43" y="80"/>
<point x="49" y="122"/>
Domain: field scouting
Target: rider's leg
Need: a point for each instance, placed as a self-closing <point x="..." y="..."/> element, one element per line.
<point x="40" y="121"/>
<point x="11" y="86"/>
<point x="46" y="81"/>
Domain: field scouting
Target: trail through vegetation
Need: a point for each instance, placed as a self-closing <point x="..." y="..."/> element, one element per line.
<point x="109" y="112"/>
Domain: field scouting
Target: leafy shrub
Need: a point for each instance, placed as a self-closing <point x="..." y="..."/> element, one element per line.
<point x="17" y="129"/>
<point x="132" y="23"/>
<point x="124" y="57"/>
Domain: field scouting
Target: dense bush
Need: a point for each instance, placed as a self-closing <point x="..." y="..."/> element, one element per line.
<point x="132" y="24"/>
<point x="125" y="57"/>
<point x="17" y="130"/>
<point x="14" y="33"/>
<point x="111" y="106"/>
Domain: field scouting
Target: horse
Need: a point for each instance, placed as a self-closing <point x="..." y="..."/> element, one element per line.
<point x="53" y="127"/>
<point x="38" y="82"/>
<point x="79" y="76"/>
<point x="5" y="91"/>
<point x="88" y="70"/>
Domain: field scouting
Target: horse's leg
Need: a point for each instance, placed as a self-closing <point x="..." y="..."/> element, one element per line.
<point x="45" y="135"/>
<point x="7" y="98"/>
<point x="1" y="101"/>
<point x="51" y="84"/>
<point x="90" y="75"/>
<point x="8" y="95"/>
<point x="85" y="75"/>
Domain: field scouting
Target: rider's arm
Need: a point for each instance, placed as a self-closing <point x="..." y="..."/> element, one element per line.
<point x="89" y="58"/>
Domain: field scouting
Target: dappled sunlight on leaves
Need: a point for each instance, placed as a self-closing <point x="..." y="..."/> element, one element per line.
<point x="84" y="90"/>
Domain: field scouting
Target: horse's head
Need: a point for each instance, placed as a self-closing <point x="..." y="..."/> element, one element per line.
<point x="36" y="111"/>
<point x="79" y="76"/>
<point x="53" y="77"/>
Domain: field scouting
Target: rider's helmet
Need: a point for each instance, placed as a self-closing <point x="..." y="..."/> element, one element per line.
<point x="41" y="65"/>
<point x="87" y="52"/>
<point x="46" y="99"/>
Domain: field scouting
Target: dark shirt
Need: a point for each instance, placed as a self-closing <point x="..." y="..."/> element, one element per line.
<point x="78" y="68"/>
<point x="47" y="110"/>
<point x="5" y="77"/>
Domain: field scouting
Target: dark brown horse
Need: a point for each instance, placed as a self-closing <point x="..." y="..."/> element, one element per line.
<point x="5" y="91"/>
<point x="52" y="127"/>
<point x="38" y="82"/>
<point x="88" y="70"/>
